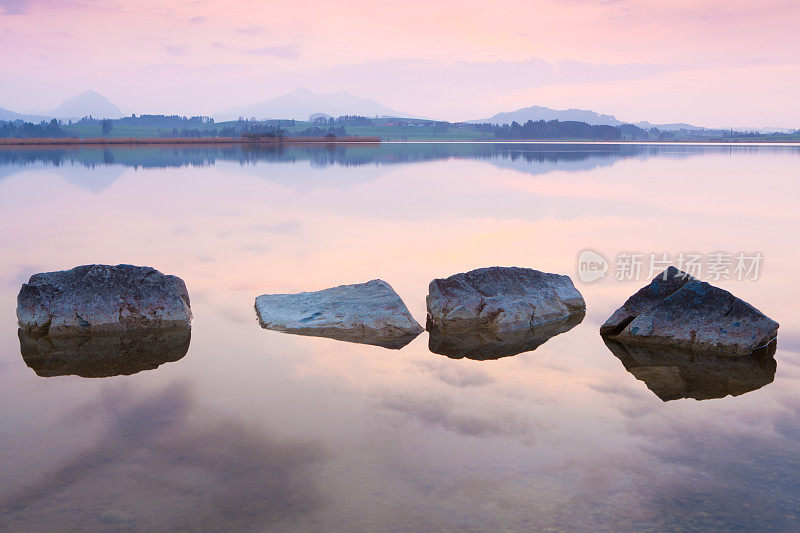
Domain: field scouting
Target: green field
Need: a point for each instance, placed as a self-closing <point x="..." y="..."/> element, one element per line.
<point x="426" y="132"/>
<point x="407" y="133"/>
<point x="95" y="130"/>
<point x="386" y="133"/>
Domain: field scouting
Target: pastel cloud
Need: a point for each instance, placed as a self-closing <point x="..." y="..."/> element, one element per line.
<point x="175" y="50"/>
<point x="285" y="52"/>
<point x="14" y="7"/>
<point x="450" y="59"/>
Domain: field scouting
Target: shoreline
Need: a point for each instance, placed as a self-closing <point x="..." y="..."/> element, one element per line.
<point x="93" y="141"/>
<point x="644" y="143"/>
<point x="131" y="141"/>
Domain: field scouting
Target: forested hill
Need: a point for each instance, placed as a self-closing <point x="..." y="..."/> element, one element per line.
<point x="385" y="128"/>
<point x="553" y="129"/>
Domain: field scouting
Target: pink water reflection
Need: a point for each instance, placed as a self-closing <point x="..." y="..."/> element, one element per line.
<point x="561" y="437"/>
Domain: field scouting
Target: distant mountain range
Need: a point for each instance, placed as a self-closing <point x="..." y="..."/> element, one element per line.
<point x="545" y="113"/>
<point x="302" y="103"/>
<point x="579" y="115"/>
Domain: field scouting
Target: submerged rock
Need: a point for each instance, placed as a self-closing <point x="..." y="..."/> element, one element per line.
<point x="672" y="375"/>
<point x="102" y="299"/>
<point x="500" y="300"/>
<point x="482" y="344"/>
<point x="366" y="313"/>
<point x="691" y="316"/>
<point x="102" y="355"/>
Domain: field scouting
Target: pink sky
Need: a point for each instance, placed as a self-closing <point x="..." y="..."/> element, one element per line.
<point x="719" y="63"/>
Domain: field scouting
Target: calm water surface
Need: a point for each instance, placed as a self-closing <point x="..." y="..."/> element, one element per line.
<point x="255" y="430"/>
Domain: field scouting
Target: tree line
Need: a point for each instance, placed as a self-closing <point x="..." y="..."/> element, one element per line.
<point x="19" y="128"/>
<point x="199" y="126"/>
<point x="553" y="129"/>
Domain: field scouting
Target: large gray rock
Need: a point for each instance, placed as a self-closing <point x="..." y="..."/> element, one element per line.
<point x="103" y="355"/>
<point x="691" y="316"/>
<point x="367" y="313"/>
<point x="102" y="299"/>
<point x="482" y="344"/>
<point x="645" y="299"/>
<point x="673" y="374"/>
<point x="500" y="300"/>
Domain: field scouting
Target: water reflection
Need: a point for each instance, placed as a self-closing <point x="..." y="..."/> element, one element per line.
<point x="357" y="336"/>
<point x="163" y="463"/>
<point x="527" y="158"/>
<point x="340" y="154"/>
<point x="483" y="344"/>
<point x="265" y="435"/>
<point x="672" y="375"/>
<point x="101" y="356"/>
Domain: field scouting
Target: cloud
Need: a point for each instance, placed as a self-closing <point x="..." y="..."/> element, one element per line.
<point x="14" y="7"/>
<point x="175" y="50"/>
<point x="448" y="72"/>
<point x="288" y="51"/>
<point x="285" y="52"/>
<point x="512" y="74"/>
<point x="444" y="412"/>
<point x="735" y="471"/>
<point x="291" y="227"/>
<point x="457" y="374"/>
<point x="251" y="30"/>
<point x="162" y="465"/>
<point x="626" y="391"/>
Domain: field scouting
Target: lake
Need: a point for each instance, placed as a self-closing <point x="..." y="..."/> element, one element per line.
<point x="256" y="430"/>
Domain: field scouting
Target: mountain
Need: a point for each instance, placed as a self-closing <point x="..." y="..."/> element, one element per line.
<point x="301" y="103"/>
<point x="765" y="129"/>
<point x="6" y="114"/>
<point x="85" y="104"/>
<point x="669" y="127"/>
<point x="581" y="115"/>
<point x="545" y="113"/>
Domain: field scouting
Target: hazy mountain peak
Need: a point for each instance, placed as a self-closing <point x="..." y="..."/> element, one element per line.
<point x="300" y="103"/>
<point x="545" y="113"/>
<point x="87" y="103"/>
<point x="7" y="114"/>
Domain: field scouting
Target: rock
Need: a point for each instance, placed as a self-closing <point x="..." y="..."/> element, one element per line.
<point x="102" y="355"/>
<point x="672" y="375"/>
<point x="500" y="300"/>
<point x="695" y="317"/>
<point x="482" y="344"/>
<point x="102" y="299"/>
<point x="648" y="297"/>
<point x="367" y="313"/>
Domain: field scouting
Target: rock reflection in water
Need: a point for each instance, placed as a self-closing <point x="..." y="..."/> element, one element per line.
<point x="100" y="356"/>
<point x="483" y="344"/>
<point x="672" y="375"/>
